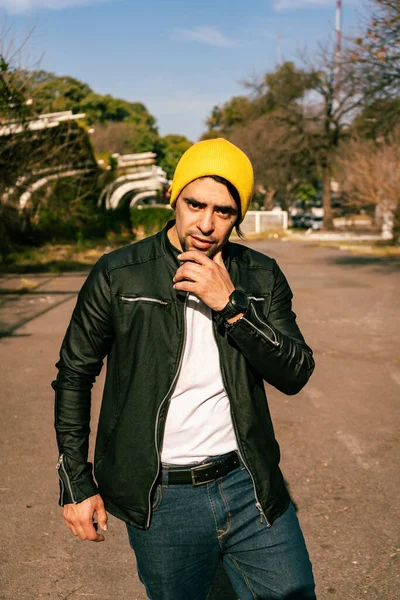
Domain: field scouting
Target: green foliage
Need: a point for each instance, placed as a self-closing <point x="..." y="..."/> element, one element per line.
<point x="287" y="84"/>
<point x="211" y="134"/>
<point x="306" y="193"/>
<point x="283" y="87"/>
<point x="55" y="94"/>
<point x="377" y="51"/>
<point x="138" y="133"/>
<point x="234" y="112"/>
<point x="171" y="150"/>
<point x="69" y="212"/>
<point x="149" y="219"/>
<point x="67" y="208"/>
<point x="12" y="99"/>
<point x="124" y="138"/>
<point x="378" y="119"/>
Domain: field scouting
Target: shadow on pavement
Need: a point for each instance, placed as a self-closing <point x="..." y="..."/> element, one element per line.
<point x="27" y="292"/>
<point x="53" y="266"/>
<point x="383" y="263"/>
<point x="8" y="330"/>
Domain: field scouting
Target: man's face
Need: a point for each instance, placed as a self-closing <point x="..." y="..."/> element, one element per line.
<point x="205" y="216"/>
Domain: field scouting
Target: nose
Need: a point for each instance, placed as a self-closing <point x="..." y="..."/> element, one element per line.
<point x="206" y="222"/>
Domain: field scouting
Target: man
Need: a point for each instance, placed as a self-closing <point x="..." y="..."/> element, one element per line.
<point x="192" y="325"/>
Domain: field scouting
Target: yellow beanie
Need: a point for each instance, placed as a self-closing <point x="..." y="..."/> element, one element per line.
<point x="215" y="157"/>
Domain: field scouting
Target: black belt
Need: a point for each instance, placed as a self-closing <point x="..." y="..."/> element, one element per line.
<point x="204" y="473"/>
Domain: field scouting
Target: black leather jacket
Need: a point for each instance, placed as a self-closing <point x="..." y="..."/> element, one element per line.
<point x="128" y="310"/>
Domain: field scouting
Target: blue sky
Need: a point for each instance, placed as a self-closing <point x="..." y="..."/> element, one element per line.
<point x="178" y="57"/>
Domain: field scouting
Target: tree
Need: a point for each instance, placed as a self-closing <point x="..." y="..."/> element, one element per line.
<point x="377" y="119"/>
<point x="321" y="119"/>
<point x="232" y="113"/>
<point x="55" y="94"/>
<point x="280" y="156"/>
<point x="280" y="88"/>
<point x="124" y="138"/>
<point x="13" y="109"/>
<point x="173" y="146"/>
<point x="377" y="51"/>
<point x="29" y="155"/>
<point x="258" y="124"/>
<point x="369" y="173"/>
<point x="286" y="87"/>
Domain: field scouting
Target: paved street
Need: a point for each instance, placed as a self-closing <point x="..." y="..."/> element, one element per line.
<point x="339" y="437"/>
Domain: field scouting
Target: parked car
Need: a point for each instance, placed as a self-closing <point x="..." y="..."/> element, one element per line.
<point x="306" y="218"/>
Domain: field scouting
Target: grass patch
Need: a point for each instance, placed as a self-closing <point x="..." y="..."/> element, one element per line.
<point x="58" y="258"/>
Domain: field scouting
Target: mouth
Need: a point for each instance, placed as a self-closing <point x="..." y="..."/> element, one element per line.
<point x="200" y="243"/>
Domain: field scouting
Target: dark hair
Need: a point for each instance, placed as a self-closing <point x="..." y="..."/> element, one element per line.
<point x="235" y="195"/>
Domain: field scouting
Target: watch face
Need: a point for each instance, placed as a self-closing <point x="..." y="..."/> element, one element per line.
<point x="240" y="300"/>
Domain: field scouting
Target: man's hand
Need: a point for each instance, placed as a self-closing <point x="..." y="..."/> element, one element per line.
<point x="79" y="518"/>
<point x="208" y="278"/>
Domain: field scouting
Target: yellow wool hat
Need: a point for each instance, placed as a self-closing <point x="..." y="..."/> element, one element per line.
<point x="215" y="157"/>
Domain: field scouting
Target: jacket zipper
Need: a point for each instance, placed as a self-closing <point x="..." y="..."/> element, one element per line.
<point x="155" y="300"/>
<point x="258" y="503"/>
<point x="161" y="405"/>
<point x="60" y="465"/>
<point x="275" y="341"/>
<point x="62" y="484"/>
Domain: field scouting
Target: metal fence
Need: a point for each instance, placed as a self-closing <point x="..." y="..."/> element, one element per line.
<point x="257" y="221"/>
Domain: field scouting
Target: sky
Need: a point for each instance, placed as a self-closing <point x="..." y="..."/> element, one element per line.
<point x="179" y="57"/>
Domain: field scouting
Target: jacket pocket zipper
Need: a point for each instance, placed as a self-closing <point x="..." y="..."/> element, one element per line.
<point x="274" y="341"/>
<point x="255" y="299"/>
<point x="60" y="465"/>
<point x="143" y="299"/>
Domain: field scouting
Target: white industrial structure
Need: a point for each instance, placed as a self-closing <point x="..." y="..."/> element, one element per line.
<point x="140" y="179"/>
<point x="39" y="123"/>
<point x="138" y="176"/>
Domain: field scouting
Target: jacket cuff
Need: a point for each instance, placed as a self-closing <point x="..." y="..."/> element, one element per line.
<point x="75" y="491"/>
<point x="249" y="325"/>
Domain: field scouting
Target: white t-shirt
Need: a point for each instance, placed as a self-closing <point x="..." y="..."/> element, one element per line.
<point x="199" y="422"/>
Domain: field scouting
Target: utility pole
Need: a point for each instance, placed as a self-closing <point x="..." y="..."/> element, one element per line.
<point x="279" y="38"/>
<point x="338" y="49"/>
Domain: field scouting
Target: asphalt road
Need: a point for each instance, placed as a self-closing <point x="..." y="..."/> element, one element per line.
<point x="339" y="437"/>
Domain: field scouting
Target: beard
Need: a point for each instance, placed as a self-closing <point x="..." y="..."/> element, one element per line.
<point x="209" y="252"/>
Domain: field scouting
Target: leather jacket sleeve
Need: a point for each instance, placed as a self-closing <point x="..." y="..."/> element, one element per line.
<point x="273" y="344"/>
<point x="87" y="341"/>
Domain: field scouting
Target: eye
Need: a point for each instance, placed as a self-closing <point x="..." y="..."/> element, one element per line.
<point x="224" y="211"/>
<point x="193" y="204"/>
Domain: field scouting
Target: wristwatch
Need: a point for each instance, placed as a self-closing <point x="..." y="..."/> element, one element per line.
<point x="238" y="303"/>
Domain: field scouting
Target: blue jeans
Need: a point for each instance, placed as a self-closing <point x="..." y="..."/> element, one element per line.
<point x="194" y="528"/>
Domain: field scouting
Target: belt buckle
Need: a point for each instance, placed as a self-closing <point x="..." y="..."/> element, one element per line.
<point x="193" y="474"/>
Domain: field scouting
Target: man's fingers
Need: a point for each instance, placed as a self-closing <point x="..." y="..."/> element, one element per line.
<point x="185" y="286"/>
<point x="102" y="517"/>
<point x="70" y="527"/>
<point x="189" y="271"/>
<point x="80" y="532"/>
<point x="79" y="518"/>
<point x="92" y="535"/>
<point x="195" y="256"/>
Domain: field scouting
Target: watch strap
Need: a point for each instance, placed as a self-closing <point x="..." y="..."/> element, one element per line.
<point x="229" y="311"/>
